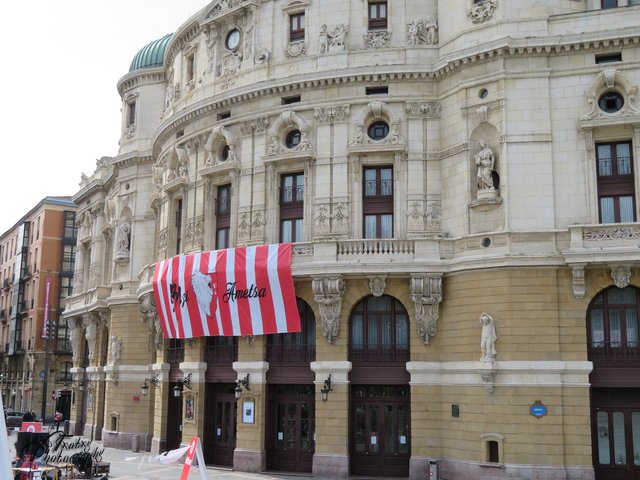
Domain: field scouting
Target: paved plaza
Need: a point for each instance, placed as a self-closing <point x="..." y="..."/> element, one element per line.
<point x="127" y="465"/>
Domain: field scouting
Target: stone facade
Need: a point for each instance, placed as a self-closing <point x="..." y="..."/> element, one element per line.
<point x="478" y="127"/>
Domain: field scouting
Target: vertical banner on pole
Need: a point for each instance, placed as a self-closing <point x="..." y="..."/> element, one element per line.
<point x="195" y="448"/>
<point x="47" y="295"/>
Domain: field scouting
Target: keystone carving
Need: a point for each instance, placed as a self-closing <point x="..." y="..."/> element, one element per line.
<point x="426" y="293"/>
<point x="328" y="292"/>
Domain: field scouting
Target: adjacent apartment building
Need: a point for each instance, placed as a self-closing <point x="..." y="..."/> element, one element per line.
<point x="36" y="273"/>
<point x="459" y="182"/>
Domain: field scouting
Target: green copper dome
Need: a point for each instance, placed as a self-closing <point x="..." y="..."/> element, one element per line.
<point x="151" y="55"/>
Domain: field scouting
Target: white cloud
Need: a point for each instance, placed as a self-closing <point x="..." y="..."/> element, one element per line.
<point x="60" y="107"/>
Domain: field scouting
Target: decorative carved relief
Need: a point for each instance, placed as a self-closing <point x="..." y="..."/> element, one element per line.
<point x="322" y="220"/>
<point x="377" y="285"/>
<point x="416" y="215"/>
<point x="426" y="293"/>
<point x="295" y="50"/>
<point x="422" y="31"/>
<point x="194" y="232"/>
<point x="612" y="233"/>
<point x="377" y="39"/>
<point x="340" y="219"/>
<point x="579" y="282"/>
<point x="334" y="113"/>
<point x="332" y="39"/>
<point x="429" y="109"/>
<point x="481" y="12"/>
<point x="488" y="377"/>
<point x="433" y="215"/>
<point x="328" y="292"/>
<point x="621" y="276"/>
<point x="224" y="5"/>
<point x="257" y="125"/>
<point x="244" y="227"/>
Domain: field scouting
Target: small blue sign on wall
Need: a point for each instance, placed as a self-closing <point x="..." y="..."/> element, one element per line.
<point x="538" y="410"/>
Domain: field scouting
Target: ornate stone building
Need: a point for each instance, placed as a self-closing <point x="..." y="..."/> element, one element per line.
<point x="458" y="179"/>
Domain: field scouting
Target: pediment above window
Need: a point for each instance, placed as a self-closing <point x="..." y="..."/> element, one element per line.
<point x="611" y="83"/>
<point x="224" y="9"/>
<point x="295" y="5"/>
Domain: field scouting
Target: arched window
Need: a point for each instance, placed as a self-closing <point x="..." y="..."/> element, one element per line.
<point x="300" y="347"/>
<point x="379" y="331"/>
<point x="613" y="325"/>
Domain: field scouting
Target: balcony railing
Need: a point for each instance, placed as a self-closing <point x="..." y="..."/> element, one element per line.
<point x="286" y="353"/>
<point x="614" y="352"/>
<point x="375" y="247"/>
<point x="378" y="353"/>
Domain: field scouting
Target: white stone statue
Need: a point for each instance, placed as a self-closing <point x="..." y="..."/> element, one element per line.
<point x="124" y="232"/>
<point x="484" y="161"/>
<point x="488" y="339"/>
<point x="116" y="347"/>
<point x="324" y="39"/>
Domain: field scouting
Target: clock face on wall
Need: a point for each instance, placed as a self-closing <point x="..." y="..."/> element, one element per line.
<point x="233" y="39"/>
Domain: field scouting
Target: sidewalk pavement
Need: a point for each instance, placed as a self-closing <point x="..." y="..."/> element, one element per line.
<point x="127" y="465"/>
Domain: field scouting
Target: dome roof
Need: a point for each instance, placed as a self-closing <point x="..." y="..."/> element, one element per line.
<point x="150" y="55"/>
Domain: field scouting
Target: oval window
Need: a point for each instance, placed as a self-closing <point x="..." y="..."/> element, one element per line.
<point x="233" y="39"/>
<point x="293" y="139"/>
<point x="611" y="102"/>
<point x="378" y="130"/>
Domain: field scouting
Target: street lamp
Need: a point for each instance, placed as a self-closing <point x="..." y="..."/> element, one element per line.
<point x="241" y="382"/>
<point x="324" y="391"/>
<point x="152" y="380"/>
<point x="185" y="382"/>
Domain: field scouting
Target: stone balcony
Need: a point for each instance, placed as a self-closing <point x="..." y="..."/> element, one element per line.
<point x="603" y="243"/>
<point x="92" y="299"/>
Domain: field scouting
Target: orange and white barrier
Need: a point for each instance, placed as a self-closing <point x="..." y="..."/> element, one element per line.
<point x="195" y="451"/>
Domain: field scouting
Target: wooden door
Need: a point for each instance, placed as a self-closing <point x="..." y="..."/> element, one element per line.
<point x="221" y="413"/>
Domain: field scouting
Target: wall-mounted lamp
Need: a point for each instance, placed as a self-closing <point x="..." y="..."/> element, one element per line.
<point x="324" y="391"/>
<point x="241" y="382"/>
<point x="81" y="386"/>
<point x="185" y="382"/>
<point x="153" y="381"/>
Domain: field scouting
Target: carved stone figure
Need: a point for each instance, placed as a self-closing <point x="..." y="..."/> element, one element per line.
<point x="116" y="347"/>
<point x="377" y="285"/>
<point x="488" y="339"/>
<point x="337" y="36"/>
<point x="484" y="161"/>
<point x="482" y="11"/>
<point x="91" y="333"/>
<point x="328" y="293"/>
<point x="124" y="238"/>
<point x="324" y="39"/>
<point x="422" y="32"/>
<point x="75" y="336"/>
<point x="229" y="64"/>
<point x="322" y="219"/>
<point x="426" y="293"/>
<point x="273" y="146"/>
<point x="621" y="276"/>
<point x="357" y="136"/>
<point x="212" y="39"/>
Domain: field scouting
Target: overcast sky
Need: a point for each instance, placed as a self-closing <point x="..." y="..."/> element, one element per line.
<point x="60" y="107"/>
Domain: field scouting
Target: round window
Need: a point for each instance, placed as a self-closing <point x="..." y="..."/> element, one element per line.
<point x="484" y="93"/>
<point x="233" y="39"/>
<point x="293" y="138"/>
<point x="378" y="130"/>
<point x="611" y="102"/>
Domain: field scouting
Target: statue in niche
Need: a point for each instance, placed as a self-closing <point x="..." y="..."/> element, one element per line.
<point x="273" y="146"/>
<point x="485" y="160"/>
<point x="489" y="337"/>
<point x="124" y="237"/>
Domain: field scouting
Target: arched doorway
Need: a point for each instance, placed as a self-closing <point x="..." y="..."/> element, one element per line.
<point x="380" y="396"/>
<point x="291" y="396"/>
<point x="614" y="349"/>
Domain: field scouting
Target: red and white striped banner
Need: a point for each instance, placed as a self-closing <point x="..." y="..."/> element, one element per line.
<point x="234" y="292"/>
